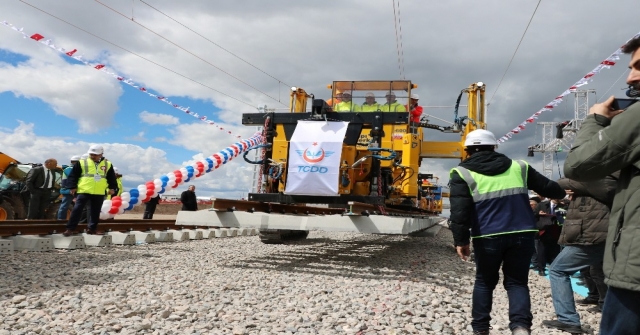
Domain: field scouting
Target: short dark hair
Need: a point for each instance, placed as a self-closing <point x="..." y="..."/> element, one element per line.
<point x="632" y="45"/>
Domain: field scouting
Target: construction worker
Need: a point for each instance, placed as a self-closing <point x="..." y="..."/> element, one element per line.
<point x="370" y="104"/>
<point x="89" y="179"/>
<point x="414" y="109"/>
<point x="392" y="104"/>
<point x="346" y="105"/>
<point x="335" y="100"/>
<point x="65" y="190"/>
<point x="490" y="204"/>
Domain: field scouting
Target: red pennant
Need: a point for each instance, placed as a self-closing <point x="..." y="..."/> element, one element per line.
<point x="143" y="89"/>
<point x="549" y="106"/>
<point x="99" y="66"/>
<point x="37" y="37"/>
<point x="608" y="62"/>
<point x="70" y="53"/>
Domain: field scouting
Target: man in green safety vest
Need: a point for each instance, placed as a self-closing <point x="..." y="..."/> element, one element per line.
<point x="91" y="179"/>
<point x="490" y="204"/>
<point x="392" y="104"/>
<point x="346" y="105"/>
<point x="370" y="104"/>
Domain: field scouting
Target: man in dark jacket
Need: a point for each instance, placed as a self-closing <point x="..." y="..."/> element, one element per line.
<point x="189" y="200"/>
<point x="608" y="141"/>
<point x="583" y="235"/>
<point x="150" y="207"/>
<point x="40" y="181"/>
<point x="489" y="196"/>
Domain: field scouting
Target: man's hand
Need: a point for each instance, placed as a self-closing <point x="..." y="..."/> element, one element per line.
<point x="604" y="109"/>
<point x="463" y="252"/>
<point x="73" y="191"/>
<point x="112" y="191"/>
<point x="569" y="194"/>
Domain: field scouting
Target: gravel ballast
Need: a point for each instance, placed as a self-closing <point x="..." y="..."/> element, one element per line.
<point x="331" y="283"/>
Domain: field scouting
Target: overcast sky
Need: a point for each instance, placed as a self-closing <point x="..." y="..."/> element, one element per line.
<point x="54" y="106"/>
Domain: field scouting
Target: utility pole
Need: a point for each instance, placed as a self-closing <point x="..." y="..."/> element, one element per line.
<point x="564" y="135"/>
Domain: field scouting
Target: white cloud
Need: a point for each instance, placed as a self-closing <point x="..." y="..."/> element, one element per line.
<point x="154" y="118"/>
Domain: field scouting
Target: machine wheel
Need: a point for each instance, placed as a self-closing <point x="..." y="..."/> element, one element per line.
<point x="275" y="236"/>
<point x="6" y="211"/>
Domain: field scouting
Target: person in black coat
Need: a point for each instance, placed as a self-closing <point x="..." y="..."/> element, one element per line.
<point x="40" y="182"/>
<point x="189" y="200"/>
<point x="150" y="207"/>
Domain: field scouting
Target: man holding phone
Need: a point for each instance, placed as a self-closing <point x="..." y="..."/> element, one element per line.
<point x="609" y="140"/>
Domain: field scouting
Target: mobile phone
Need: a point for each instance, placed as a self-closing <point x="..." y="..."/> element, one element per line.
<point x="622" y="104"/>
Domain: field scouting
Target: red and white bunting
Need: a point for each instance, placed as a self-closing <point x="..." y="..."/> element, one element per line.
<point x="605" y="64"/>
<point x="101" y="67"/>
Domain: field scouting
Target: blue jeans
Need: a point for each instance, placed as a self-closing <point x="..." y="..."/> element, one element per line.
<point x="621" y="312"/>
<point x="571" y="259"/>
<point x="513" y="252"/>
<point x="67" y="199"/>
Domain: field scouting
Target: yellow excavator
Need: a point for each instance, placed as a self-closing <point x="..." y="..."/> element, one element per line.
<point x="382" y="149"/>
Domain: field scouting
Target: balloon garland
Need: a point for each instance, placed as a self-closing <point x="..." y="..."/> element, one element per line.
<point x="144" y="192"/>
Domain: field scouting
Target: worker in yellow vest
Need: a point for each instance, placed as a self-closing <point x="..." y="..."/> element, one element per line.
<point x="346" y="105"/>
<point x="392" y="104"/>
<point x="370" y="104"/>
<point x="88" y="180"/>
<point x="119" y="180"/>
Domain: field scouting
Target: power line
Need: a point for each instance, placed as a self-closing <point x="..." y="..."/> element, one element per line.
<point x="396" y="23"/>
<point x="133" y="53"/>
<point x="515" y="52"/>
<point x="214" y="43"/>
<point x="617" y="80"/>
<point x="191" y="53"/>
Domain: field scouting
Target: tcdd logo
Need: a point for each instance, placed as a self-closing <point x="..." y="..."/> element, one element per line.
<point x="312" y="169"/>
<point x="314" y="155"/>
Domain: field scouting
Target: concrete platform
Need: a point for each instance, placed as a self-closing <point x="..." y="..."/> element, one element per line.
<point x="122" y="238"/>
<point x="374" y="224"/>
<point x="60" y="241"/>
<point x="6" y="246"/>
<point x="162" y="236"/>
<point x="31" y="243"/>
<point x="179" y="235"/>
<point x="98" y="240"/>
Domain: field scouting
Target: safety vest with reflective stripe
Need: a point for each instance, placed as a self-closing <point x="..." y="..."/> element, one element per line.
<point x="87" y="184"/>
<point x="394" y="107"/>
<point x="370" y="108"/>
<point x="346" y="106"/>
<point x="501" y="201"/>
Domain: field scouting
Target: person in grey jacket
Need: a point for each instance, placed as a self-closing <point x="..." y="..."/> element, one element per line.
<point x="583" y="236"/>
<point x="608" y="141"/>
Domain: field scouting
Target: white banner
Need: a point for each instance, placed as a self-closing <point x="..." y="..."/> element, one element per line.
<point x="314" y="158"/>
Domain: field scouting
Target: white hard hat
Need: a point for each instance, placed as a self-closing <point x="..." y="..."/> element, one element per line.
<point x="480" y="137"/>
<point x="84" y="156"/>
<point x="415" y="96"/>
<point x="347" y="92"/>
<point x="75" y="158"/>
<point x="369" y="95"/>
<point x="390" y="94"/>
<point x="115" y="169"/>
<point x="95" y="150"/>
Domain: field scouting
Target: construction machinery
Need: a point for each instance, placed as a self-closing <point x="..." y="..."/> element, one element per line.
<point x="14" y="197"/>
<point x="378" y="167"/>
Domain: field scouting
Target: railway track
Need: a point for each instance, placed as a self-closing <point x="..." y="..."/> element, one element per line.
<point x="47" y="227"/>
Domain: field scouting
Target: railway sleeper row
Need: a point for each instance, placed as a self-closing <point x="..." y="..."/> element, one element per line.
<point x="83" y="240"/>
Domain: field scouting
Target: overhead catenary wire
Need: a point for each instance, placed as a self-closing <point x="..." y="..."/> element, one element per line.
<point x="214" y="43"/>
<point x="137" y="55"/>
<point x="617" y="80"/>
<point x="398" y="29"/>
<point x="191" y="53"/>
<point x="515" y="52"/>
